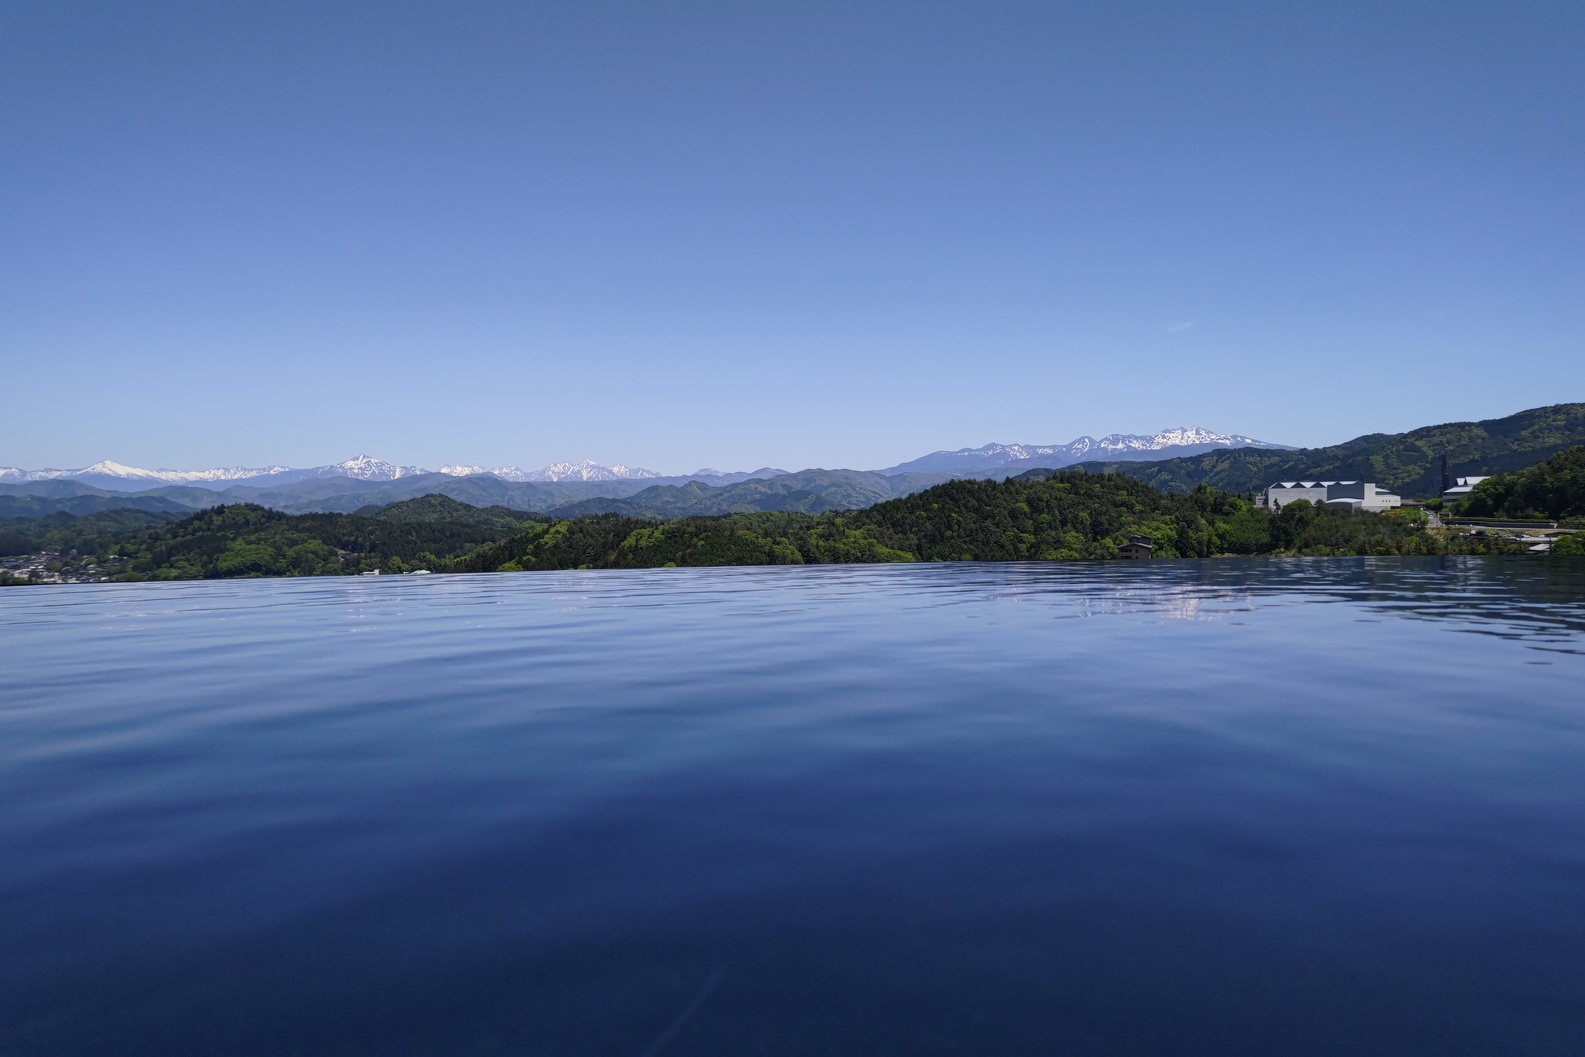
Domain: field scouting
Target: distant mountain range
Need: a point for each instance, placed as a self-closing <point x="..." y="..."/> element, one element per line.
<point x="567" y="488"/>
<point x="304" y="491"/>
<point x="587" y="470"/>
<point x="1176" y="460"/>
<point x="114" y="476"/>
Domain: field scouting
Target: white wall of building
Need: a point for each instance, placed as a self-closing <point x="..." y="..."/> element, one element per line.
<point x="1357" y="495"/>
<point x="1280" y="495"/>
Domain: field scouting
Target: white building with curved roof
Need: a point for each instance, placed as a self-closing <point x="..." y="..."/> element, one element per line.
<point x="1351" y="495"/>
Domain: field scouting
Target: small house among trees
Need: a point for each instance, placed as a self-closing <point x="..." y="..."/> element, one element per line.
<point x="1136" y="547"/>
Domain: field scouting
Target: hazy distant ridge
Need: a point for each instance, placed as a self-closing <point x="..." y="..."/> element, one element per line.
<point x="117" y="477"/>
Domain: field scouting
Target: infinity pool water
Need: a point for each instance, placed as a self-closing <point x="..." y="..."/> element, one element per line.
<point x="1242" y="807"/>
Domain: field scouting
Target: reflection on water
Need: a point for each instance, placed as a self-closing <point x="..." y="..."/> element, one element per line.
<point x="1265" y="806"/>
<point x="1541" y="601"/>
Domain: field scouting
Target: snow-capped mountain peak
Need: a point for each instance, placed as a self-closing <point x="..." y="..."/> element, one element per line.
<point x="115" y="469"/>
<point x="368" y="468"/>
<point x="1177" y="437"/>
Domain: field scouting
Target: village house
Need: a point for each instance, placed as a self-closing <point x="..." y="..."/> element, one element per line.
<point x="1136" y="547"/>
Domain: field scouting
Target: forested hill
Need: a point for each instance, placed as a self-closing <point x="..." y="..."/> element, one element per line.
<point x="1056" y="516"/>
<point x="83" y="533"/>
<point x="1551" y="489"/>
<point x="1407" y="463"/>
<point x="1076" y="515"/>
<point x="247" y="540"/>
<point x="435" y="509"/>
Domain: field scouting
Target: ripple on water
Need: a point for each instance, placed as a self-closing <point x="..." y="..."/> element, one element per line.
<point x="1297" y="806"/>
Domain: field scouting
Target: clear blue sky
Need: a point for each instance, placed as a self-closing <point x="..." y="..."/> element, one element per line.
<point x="794" y="234"/>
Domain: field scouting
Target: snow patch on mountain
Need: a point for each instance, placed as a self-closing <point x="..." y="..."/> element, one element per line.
<point x="589" y="470"/>
<point x="107" y="468"/>
<point x="1180" y="440"/>
<point x="1178" y="437"/>
<point x="506" y="473"/>
<point x="360" y="467"/>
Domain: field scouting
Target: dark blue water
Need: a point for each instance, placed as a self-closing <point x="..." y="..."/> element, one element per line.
<point x="1309" y="807"/>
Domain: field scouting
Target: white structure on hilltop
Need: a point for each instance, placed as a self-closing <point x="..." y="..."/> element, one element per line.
<point x="1351" y="495"/>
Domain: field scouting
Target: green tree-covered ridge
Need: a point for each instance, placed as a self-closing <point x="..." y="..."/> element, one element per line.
<point x="1042" y="516"/>
<point x="247" y="540"/>
<point x="1553" y="488"/>
<point x="98" y="533"/>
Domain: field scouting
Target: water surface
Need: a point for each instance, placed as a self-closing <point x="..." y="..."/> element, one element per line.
<point x="1298" y="807"/>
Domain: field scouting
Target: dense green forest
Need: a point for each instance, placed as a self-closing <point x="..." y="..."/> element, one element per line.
<point x="247" y="540"/>
<point x="1042" y="515"/>
<point x="1552" y="489"/>
<point x="432" y="509"/>
<point x="86" y="534"/>
<point x="1407" y="463"/>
